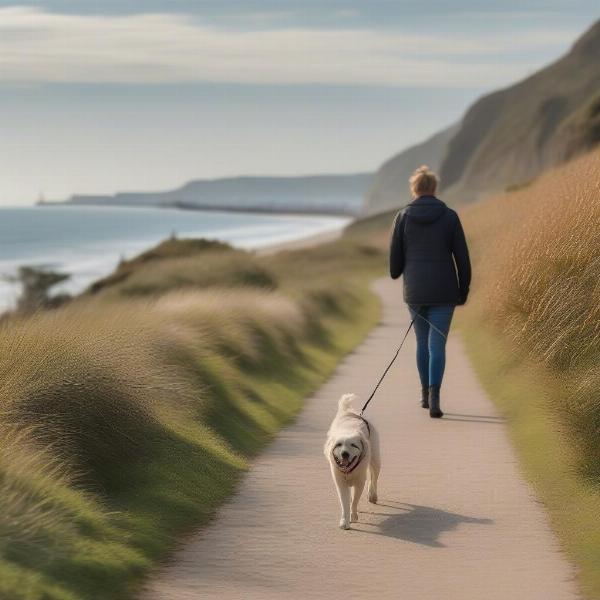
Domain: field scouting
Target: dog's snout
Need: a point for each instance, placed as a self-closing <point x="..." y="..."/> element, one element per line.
<point x="345" y="454"/>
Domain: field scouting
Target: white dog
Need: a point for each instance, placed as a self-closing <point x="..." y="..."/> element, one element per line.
<point x="352" y="449"/>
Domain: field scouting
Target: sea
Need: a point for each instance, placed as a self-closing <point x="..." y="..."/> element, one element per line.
<point x="87" y="242"/>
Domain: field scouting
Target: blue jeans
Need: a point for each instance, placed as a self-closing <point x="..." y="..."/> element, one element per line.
<point x="431" y="344"/>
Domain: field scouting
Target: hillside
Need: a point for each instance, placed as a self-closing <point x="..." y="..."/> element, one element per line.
<point x="390" y="184"/>
<point x="532" y="329"/>
<point x="507" y="138"/>
<point x="130" y="414"/>
<point x="332" y="194"/>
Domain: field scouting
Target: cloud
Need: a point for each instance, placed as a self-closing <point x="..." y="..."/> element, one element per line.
<point x="39" y="46"/>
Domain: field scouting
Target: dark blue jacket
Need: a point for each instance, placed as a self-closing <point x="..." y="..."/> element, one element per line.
<point x="428" y="247"/>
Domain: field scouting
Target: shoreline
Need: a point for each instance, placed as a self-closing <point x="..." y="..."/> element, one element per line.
<point x="182" y="206"/>
<point x="260" y="238"/>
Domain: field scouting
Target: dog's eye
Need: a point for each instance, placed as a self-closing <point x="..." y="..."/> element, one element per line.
<point x="337" y="445"/>
<point x="355" y="446"/>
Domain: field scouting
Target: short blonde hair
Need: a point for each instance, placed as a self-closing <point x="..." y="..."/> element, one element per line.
<point x="423" y="182"/>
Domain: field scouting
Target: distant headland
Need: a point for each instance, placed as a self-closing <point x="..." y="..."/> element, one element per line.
<point x="309" y="194"/>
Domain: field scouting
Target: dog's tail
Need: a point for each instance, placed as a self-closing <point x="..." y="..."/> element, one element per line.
<point x="346" y="401"/>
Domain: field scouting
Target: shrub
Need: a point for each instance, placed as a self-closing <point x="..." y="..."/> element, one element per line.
<point x="170" y="248"/>
<point x="228" y="269"/>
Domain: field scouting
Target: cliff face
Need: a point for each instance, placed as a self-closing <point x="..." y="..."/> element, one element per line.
<point x="509" y="136"/>
<point x="389" y="189"/>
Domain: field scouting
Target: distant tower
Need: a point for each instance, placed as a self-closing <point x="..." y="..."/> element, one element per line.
<point x="41" y="199"/>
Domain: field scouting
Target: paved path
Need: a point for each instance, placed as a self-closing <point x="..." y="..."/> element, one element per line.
<point x="455" y="519"/>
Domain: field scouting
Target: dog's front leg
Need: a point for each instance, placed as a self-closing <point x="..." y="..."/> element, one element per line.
<point x="344" y="495"/>
<point x="357" y="490"/>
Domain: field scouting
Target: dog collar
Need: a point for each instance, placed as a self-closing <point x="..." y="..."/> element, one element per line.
<point x="364" y="421"/>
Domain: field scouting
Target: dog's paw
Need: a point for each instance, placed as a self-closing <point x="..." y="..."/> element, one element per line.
<point x="354" y="517"/>
<point x="373" y="497"/>
<point x="344" y="524"/>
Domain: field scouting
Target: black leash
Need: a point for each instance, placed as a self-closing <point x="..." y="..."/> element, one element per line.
<point x="362" y="410"/>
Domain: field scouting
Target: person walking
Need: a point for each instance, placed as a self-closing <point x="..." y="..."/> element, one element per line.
<point x="429" y="249"/>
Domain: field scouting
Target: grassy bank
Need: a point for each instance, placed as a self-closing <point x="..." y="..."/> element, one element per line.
<point x="525" y="393"/>
<point x="129" y="415"/>
<point x="532" y="329"/>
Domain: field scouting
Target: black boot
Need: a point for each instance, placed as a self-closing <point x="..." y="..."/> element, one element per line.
<point x="434" y="402"/>
<point x="425" y="396"/>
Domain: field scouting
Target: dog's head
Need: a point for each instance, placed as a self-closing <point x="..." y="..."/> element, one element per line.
<point x="347" y="451"/>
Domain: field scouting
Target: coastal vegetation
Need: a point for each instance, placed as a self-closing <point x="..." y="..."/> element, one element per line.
<point x="129" y="414"/>
<point x="532" y="328"/>
<point x="36" y="288"/>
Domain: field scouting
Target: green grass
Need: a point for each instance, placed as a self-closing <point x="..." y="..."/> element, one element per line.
<point x="529" y="397"/>
<point x="127" y="419"/>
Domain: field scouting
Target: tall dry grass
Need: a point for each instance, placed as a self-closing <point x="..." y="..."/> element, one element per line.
<point x="92" y="392"/>
<point x="93" y="383"/>
<point x="228" y="269"/>
<point x="537" y="253"/>
<point x="127" y="415"/>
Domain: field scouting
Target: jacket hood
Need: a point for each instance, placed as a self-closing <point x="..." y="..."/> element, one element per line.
<point x="425" y="209"/>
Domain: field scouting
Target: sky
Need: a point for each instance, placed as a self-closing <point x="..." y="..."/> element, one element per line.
<point x="105" y="95"/>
